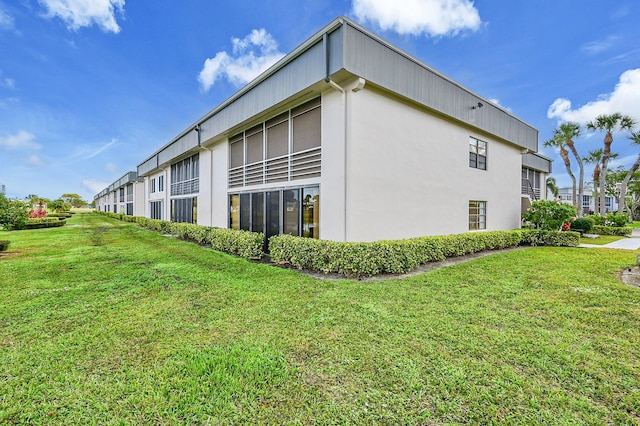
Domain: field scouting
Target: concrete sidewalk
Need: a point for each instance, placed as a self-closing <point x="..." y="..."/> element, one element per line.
<point x="631" y="243"/>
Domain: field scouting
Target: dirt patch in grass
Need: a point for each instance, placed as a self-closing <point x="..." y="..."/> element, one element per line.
<point x="4" y="254"/>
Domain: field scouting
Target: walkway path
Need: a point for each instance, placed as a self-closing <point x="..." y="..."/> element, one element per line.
<point x="631" y="243"/>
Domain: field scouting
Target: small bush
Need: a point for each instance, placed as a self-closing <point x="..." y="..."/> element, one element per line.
<point x="597" y="219"/>
<point x="549" y="215"/>
<point x="584" y="224"/>
<point x="97" y="236"/>
<point x="623" y="231"/>
<point x="4" y="245"/>
<point x="616" y="220"/>
<point x="541" y="237"/>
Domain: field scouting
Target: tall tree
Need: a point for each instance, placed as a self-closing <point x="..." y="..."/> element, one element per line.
<point x="74" y="199"/>
<point x="570" y="131"/>
<point x="558" y="141"/>
<point x="552" y="186"/>
<point x="608" y="124"/>
<point x="622" y="204"/>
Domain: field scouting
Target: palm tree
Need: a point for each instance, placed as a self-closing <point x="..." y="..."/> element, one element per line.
<point x="569" y="131"/>
<point x="558" y="141"/>
<point x="608" y="124"/>
<point x="552" y="186"/>
<point x="635" y="140"/>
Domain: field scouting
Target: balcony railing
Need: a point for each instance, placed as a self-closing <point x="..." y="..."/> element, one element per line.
<point x="528" y="189"/>
<point x="298" y="165"/>
<point x="186" y="187"/>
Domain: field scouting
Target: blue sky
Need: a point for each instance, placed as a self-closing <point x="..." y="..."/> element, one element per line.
<point x="90" y="88"/>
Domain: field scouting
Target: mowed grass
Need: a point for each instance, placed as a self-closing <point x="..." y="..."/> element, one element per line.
<point x="147" y="329"/>
<point x="601" y="240"/>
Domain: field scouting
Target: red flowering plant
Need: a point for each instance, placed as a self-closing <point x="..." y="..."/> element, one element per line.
<point x="37" y="213"/>
<point x="550" y="215"/>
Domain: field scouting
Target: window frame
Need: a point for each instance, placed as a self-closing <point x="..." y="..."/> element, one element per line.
<point x="477" y="215"/>
<point x="478" y="160"/>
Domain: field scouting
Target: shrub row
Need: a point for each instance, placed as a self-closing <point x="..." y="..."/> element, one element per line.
<point x="60" y="215"/>
<point x="240" y="243"/>
<point x="401" y="256"/>
<point x="622" y="231"/>
<point x="4" y="245"/>
<point x="43" y="222"/>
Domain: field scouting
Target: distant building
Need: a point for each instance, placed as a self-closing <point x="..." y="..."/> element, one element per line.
<point x="588" y="200"/>
<point x="3" y="189"/>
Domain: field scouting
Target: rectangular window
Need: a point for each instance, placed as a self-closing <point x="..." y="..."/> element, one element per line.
<point x="257" y="212"/>
<point x="160" y="183"/>
<point x="306" y="127"/>
<point x="477" y="154"/>
<point x="245" y="212"/>
<point x="291" y="211"/>
<point x="255" y="145"/>
<point x="185" y="176"/>
<point x="184" y="210"/>
<point x="477" y="215"/>
<point x="234" y="212"/>
<point x="278" y="136"/>
<point x="311" y="212"/>
<point x="153" y="185"/>
<point x="155" y="210"/>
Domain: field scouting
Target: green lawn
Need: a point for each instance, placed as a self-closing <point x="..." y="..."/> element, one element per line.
<point x="147" y="329"/>
<point x="601" y="240"/>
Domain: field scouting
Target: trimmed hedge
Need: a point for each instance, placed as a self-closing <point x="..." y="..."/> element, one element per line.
<point x="240" y="243"/>
<point x="4" y="245"/>
<point x="43" y="222"/>
<point x="622" y="231"/>
<point x="401" y="256"/>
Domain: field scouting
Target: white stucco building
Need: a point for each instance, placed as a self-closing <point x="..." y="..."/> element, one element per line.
<point x="348" y="138"/>
<point x="565" y="194"/>
<point x="126" y="195"/>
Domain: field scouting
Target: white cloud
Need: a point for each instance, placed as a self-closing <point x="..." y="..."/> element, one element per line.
<point x="94" y="186"/>
<point x="250" y="57"/>
<point x="21" y="140"/>
<point x="35" y="161"/>
<point x="595" y="47"/>
<point x="112" y="167"/>
<point x="6" y="82"/>
<point x="84" y="13"/>
<point x="6" y="20"/>
<point x="623" y="99"/>
<point x="415" y="17"/>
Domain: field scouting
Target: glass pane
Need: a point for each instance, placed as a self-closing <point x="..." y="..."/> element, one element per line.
<point x="257" y="212"/>
<point x="237" y="154"/>
<point x="273" y="213"/>
<point x="311" y="212"/>
<point x="234" y="211"/>
<point x="473" y="161"/>
<point x="291" y="211"/>
<point x="245" y="212"/>
<point x="278" y="140"/>
<point x="254" y="148"/>
<point x="306" y="130"/>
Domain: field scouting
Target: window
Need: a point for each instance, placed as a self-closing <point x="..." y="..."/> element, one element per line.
<point x="184" y="210"/>
<point x="156" y="210"/>
<point x="586" y="201"/>
<point x="294" y="211"/>
<point x="153" y="185"/>
<point x="122" y="195"/>
<point x="160" y="183"/>
<point x="283" y="148"/>
<point x="477" y="154"/>
<point x="477" y="215"/>
<point x="185" y="176"/>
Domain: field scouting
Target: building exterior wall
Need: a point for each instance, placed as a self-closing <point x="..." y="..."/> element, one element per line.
<point x="408" y="173"/>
